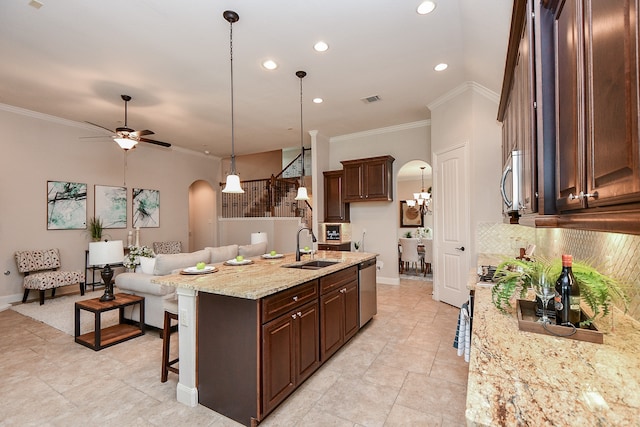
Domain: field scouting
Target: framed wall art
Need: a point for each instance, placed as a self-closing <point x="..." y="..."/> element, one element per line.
<point x="110" y="205"/>
<point x="146" y="208"/>
<point x="66" y="205"/>
<point x="410" y="216"/>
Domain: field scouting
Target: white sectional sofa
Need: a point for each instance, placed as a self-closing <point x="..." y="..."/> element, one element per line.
<point x="140" y="283"/>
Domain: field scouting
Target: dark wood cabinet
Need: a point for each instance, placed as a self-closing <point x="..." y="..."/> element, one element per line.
<point x="598" y="151"/>
<point x="584" y="130"/>
<point x="368" y="179"/>
<point x="344" y="246"/>
<point x="290" y="352"/>
<point x="338" y="310"/>
<point x="335" y="208"/>
<point x="517" y="107"/>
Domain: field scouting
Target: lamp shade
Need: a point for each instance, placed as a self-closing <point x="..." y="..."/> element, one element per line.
<point x="258" y="237"/>
<point x="232" y="185"/>
<point x="103" y="253"/>
<point x="302" y="194"/>
<point x="126" y="143"/>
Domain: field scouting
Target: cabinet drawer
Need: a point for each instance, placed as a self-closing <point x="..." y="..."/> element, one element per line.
<point x="338" y="279"/>
<point x="282" y="302"/>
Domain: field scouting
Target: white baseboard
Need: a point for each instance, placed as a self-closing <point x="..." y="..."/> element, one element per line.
<point x="7" y="300"/>
<point x="388" y="280"/>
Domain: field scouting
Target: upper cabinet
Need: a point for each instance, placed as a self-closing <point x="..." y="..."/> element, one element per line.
<point x="367" y="180"/>
<point x="597" y="114"/>
<point x="576" y="109"/>
<point x="335" y="208"/>
<point x="517" y="108"/>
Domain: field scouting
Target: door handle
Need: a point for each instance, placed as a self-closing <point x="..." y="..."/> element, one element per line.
<point x="461" y="249"/>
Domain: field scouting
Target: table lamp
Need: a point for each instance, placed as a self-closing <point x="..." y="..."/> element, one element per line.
<point x="105" y="253"/>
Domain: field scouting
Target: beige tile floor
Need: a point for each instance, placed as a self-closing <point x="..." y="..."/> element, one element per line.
<point x="400" y="370"/>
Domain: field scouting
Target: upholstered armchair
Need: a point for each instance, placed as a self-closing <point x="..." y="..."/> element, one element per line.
<point x="41" y="272"/>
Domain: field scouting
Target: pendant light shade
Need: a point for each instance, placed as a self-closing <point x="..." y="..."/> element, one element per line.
<point x="302" y="190"/>
<point x="233" y="180"/>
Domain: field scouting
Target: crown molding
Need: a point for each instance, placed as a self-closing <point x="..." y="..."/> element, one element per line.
<point x="380" y="131"/>
<point x="466" y="86"/>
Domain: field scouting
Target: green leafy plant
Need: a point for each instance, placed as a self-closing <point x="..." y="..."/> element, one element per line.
<point x="95" y="228"/>
<point x="408" y="235"/>
<point x="598" y="291"/>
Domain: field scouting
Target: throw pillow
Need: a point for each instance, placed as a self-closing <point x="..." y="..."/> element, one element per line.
<point x="223" y="253"/>
<point x="252" y="250"/>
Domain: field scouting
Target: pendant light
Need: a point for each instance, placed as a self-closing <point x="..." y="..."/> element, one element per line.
<point x="302" y="190"/>
<point x="233" y="180"/>
<point x="422" y="199"/>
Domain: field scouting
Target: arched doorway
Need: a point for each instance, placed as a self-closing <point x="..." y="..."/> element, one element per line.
<point x="410" y="181"/>
<point x="413" y="178"/>
<point x="203" y="230"/>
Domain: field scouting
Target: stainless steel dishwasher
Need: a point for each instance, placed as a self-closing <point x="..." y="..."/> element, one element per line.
<point x="367" y="289"/>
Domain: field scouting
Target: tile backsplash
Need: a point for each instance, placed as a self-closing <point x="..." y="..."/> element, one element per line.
<point x="612" y="253"/>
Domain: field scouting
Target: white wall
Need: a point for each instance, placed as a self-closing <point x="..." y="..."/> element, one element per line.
<point x="468" y="113"/>
<point x="381" y="219"/>
<point x="37" y="148"/>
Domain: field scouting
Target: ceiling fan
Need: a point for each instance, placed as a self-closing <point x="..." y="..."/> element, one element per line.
<point x="128" y="138"/>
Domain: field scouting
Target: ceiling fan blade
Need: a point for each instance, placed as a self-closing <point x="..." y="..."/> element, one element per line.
<point x="96" y="137"/>
<point x="101" y="127"/>
<point x="152" y="141"/>
<point x="141" y="133"/>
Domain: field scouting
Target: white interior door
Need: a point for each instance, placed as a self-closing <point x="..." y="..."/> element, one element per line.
<point x="451" y="196"/>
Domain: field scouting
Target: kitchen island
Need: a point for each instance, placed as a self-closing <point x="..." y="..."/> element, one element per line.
<point x="530" y="379"/>
<point x="251" y="334"/>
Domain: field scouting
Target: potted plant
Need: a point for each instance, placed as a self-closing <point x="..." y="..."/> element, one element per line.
<point x="514" y="278"/>
<point x="408" y="235"/>
<point x="95" y="228"/>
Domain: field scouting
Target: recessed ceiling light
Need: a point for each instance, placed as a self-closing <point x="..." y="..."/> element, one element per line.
<point x="320" y="46"/>
<point x="270" y="64"/>
<point x="318" y="100"/>
<point x="426" y="7"/>
<point x="36" y="4"/>
<point x="440" y="67"/>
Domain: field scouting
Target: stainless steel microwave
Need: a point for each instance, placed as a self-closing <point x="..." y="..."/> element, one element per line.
<point x="511" y="185"/>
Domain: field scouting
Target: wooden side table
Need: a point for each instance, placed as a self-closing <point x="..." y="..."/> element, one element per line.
<point x="101" y="338"/>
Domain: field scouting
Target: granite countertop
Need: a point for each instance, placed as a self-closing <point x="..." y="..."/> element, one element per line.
<point x="524" y="378"/>
<point x="264" y="276"/>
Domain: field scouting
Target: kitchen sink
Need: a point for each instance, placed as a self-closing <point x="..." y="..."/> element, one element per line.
<point x="312" y="265"/>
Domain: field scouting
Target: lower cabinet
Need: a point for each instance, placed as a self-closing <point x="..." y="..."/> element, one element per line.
<point x="252" y="354"/>
<point x="339" y="317"/>
<point x="289" y="353"/>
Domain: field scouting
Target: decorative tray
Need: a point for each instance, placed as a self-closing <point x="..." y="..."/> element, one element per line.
<point x="528" y="321"/>
<point x="194" y="270"/>
<point x="269" y="256"/>
<point x="236" y="263"/>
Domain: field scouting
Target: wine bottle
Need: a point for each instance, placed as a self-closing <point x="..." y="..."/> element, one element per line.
<point x="567" y="295"/>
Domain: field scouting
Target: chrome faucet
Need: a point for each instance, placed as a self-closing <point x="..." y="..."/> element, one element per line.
<point x="313" y="239"/>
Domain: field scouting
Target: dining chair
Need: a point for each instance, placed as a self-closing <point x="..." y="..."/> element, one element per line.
<point x="427" y="256"/>
<point x="410" y="253"/>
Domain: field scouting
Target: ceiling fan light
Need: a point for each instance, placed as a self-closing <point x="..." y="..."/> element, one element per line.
<point x="302" y="194"/>
<point x="233" y="185"/>
<point x="126" y="143"/>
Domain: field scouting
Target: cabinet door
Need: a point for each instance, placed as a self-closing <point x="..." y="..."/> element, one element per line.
<point x="611" y="40"/>
<point x="332" y="323"/>
<point x="353" y="182"/>
<point x="376" y="180"/>
<point x="278" y="364"/>
<point x="308" y="341"/>
<point x="351" y="312"/>
<point x="335" y="209"/>
<point x="570" y="154"/>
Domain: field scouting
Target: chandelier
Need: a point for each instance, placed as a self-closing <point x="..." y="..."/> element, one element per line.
<point x="421" y="199"/>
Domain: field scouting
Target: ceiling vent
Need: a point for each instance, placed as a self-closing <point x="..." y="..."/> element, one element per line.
<point x="370" y="99"/>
